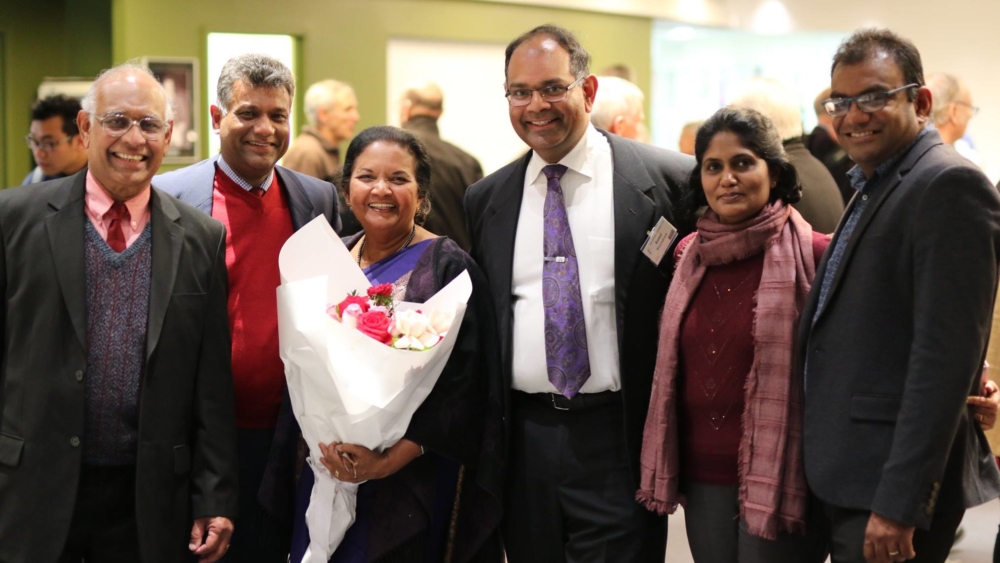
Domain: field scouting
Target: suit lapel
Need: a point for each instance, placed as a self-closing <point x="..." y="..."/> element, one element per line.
<point x="633" y="212"/>
<point x="168" y="237"/>
<point x="301" y="208"/>
<point x="66" y="240"/>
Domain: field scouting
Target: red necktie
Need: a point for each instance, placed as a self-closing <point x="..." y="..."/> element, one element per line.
<point x="116" y="237"/>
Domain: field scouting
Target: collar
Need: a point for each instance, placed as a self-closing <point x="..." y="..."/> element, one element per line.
<point x="98" y="201"/>
<point x="580" y="159"/>
<point x="857" y="178"/>
<point x="329" y="147"/>
<point x="240" y="181"/>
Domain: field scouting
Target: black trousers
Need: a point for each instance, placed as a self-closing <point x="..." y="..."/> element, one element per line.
<point x="258" y="536"/>
<point x="570" y="490"/>
<point x="846" y="530"/>
<point x="103" y="529"/>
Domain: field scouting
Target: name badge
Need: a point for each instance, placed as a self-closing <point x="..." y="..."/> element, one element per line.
<point x="659" y="241"/>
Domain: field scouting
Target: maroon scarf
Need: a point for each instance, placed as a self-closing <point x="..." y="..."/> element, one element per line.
<point x="772" y="486"/>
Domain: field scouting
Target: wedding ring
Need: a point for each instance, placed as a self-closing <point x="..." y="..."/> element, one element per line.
<point x="893" y="553"/>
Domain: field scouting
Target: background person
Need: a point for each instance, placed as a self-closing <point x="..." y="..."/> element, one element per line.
<point x="618" y="107"/>
<point x="54" y="139"/>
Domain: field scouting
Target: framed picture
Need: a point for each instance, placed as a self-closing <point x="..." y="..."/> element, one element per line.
<point x="179" y="76"/>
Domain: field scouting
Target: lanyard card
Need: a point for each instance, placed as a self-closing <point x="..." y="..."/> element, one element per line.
<point x="659" y="241"/>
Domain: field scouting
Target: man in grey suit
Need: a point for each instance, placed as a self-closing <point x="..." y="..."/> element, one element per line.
<point x="116" y="395"/>
<point x="895" y="331"/>
<point x="558" y="233"/>
<point x="261" y="205"/>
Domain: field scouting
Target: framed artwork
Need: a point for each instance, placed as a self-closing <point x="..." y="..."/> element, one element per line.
<point x="179" y="76"/>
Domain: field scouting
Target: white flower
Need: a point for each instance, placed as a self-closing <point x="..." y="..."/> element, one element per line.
<point x="410" y="323"/>
<point x="350" y="316"/>
<point x="441" y="320"/>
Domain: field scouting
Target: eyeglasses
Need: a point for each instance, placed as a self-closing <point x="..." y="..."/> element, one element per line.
<point x="549" y="94"/>
<point x="973" y="110"/>
<point x="117" y="125"/>
<point x="46" y="145"/>
<point x="868" y="103"/>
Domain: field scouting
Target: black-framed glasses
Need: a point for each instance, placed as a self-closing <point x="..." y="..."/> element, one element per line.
<point x="116" y="125"/>
<point x="47" y="145"/>
<point x="973" y="110"/>
<point x="550" y="94"/>
<point x="868" y="103"/>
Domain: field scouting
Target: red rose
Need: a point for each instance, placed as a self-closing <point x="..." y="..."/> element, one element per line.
<point x="384" y="290"/>
<point x="359" y="300"/>
<point x="376" y="325"/>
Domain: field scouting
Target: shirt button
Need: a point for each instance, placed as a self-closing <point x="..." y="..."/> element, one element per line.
<point x="74" y="441"/>
<point x="78" y="375"/>
<point x="864" y="197"/>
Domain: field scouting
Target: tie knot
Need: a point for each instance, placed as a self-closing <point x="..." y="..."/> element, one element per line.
<point x="118" y="211"/>
<point x="554" y="171"/>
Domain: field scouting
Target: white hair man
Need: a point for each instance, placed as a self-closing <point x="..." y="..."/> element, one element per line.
<point x="821" y="203"/>
<point x="332" y="113"/>
<point x="952" y="110"/>
<point x="618" y="107"/>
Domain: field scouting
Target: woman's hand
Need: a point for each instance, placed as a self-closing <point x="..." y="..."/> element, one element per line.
<point x="352" y="463"/>
<point x="985" y="408"/>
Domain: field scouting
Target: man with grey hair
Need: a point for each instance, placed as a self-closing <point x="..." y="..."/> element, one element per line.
<point x="454" y="169"/>
<point x="332" y="113"/>
<point x="821" y="204"/>
<point x="618" y="107"/>
<point x="261" y="205"/>
<point x="118" y="425"/>
<point x="952" y="106"/>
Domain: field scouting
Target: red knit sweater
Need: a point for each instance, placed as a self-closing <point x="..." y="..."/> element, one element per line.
<point x="256" y="228"/>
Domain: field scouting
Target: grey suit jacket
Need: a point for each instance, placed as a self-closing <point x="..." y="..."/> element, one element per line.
<point x="186" y="466"/>
<point x="647" y="185"/>
<point x="899" y="345"/>
<point x="307" y="196"/>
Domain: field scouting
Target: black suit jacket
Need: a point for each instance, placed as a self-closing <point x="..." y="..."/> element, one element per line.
<point x="186" y="466"/>
<point x="900" y="342"/>
<point x="647" y="185"/>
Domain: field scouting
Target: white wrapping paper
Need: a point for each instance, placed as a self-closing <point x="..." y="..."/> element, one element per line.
<point x="346" y="386"/>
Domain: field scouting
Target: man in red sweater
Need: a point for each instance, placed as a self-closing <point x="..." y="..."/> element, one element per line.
<point x="261" y="205"/>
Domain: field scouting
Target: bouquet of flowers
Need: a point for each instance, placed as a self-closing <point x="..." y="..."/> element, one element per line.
<point x="357" y="370"/>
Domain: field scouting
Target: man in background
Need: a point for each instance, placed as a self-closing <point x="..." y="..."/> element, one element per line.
<point x="685" y="144"/>
<point x="261" y="205"/>
<point x="618" y="107"/>
<point x="55" y="140"/>
<point x="454" y="170"/>
<point x="952" y="111"/>
<point x="823" y="144"/>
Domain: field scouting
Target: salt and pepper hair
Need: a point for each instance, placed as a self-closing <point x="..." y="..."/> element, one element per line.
<point x="256" y="71"/>
<point x="89" y="101"/>
<point x="945" y="90"/>
<point x="615" y="96"/>
<point x="323" y="95"/>
<point x="756" y="133"/>
<point x="405" y="140"/>
<point x="579" y="59"/>
<point x="866" y="43"/>
<point x="778" y="103"/>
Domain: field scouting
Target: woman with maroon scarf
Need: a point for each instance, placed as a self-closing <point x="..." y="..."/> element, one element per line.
<point x="723" y="434"/>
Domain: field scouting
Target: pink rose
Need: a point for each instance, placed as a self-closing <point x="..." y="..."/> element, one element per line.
<point x="359" y="300"/>
<point x="384" y="290"/>
<point x="376" y="325"/>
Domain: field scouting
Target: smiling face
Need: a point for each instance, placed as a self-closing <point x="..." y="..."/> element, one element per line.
<point x="125" y="165"/>
<point x="550" y="129"/>
<point x="254" y="133"/>
<point x="737" y="182"/>
<point x="383" y="191"/>
<point x="872" y="138"/>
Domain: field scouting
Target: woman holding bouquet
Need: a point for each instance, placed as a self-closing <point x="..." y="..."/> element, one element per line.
<point x="428" y="497"/>
<point x="723" y="378"/>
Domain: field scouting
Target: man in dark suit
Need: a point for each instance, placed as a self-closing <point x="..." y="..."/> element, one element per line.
<point x="558" y="232"/>
<point x="261" y="205"/>
<point x="895" y="330"/>
<point x="117" y="403"/>
<point x="454" y="170"/>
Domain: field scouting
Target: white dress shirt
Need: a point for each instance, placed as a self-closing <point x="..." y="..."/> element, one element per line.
<point x="587" y="187"/>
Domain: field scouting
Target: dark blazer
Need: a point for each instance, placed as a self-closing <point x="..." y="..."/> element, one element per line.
<point x="648" y="182"/>
<point x="900" y="343"/>
<point x="186" y="466"/>
<point x="307" y="196"/>
<point x="453" y="171"/>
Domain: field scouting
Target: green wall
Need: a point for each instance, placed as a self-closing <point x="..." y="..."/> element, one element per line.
<point x="346" y="39"/>
<point x="40" y="39"/>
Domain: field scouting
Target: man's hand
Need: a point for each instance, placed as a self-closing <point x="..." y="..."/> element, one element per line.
<point x="887" y="541"/>
<point x="210" y="538"/>
<point x="984" y="408"/>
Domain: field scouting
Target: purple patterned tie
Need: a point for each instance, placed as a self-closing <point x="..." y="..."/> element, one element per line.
<point x="565" y="331"/>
